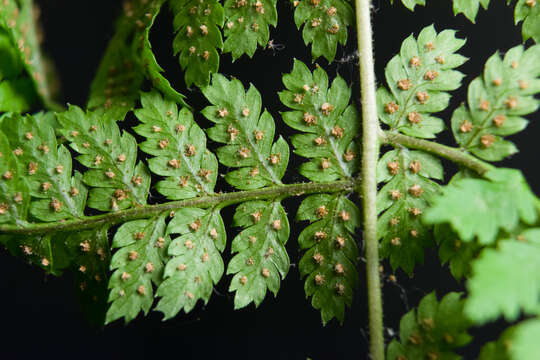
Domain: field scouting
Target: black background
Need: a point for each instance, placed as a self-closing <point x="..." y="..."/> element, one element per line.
<point x="40" y="314"/>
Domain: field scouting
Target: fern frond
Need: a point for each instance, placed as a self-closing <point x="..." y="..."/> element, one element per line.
<point x="47" y="168"/>
<point x="195" y="263"/>
<point x="17" y="92"/>
<point x="496" y="103"/>
<point x="331" y="257"/>
<point x="127" y="61"/>
<point x="117" y="183"/>
<point x="23" y="78"/>
<point x="325" y="24"/>
<point x="419" y="79"/>
<point x="119" y="78"/>
<point x="401" y="203"/>
<point x="262" y="258"/>
<point x="480" y="208"/>
<point x="434" y="331"/>
<point x="247" y="24"/>
<point x="329" y="124"/>
<point x="470" y="8"/>
<point x="496" y="350"/>
<point x="14" y="199"/>
<point x="525" y="10"/>
<point x="458" y="254"/>
<point x="523" y="339"/>
<point x="49" y="252"/>
<point x="90" y="257"/>
<point x="138" y="264"/>
<point x="149" y="62"/>
<point x="505" y="280"/>
<point x="411" y="4"/>
<point x="248" y="134"/>
<point x="198" y="38"/>
<point x="529" y="13"/>
<point x="179" y="147"/>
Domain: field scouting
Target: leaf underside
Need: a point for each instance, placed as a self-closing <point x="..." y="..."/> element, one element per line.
<point x="198" y="38"/>
<point x="329" y="263"/>
<point x="324" y="24"/>
<point x="247" y="24"/>
<point x="496" y="103"/>
<point x="525" y="11"/>
<point x="401" y="203"/>
<point x="195" y="264"/>
<point x="24" y="80"/>
<point x="435" y="330"/>
<point x="173" y="260"/>
<point x="419" y="79"/>
<point x="327" y="122"/>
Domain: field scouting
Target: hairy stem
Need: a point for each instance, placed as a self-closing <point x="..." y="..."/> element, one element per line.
<point x="368" y="187"/>
<point x="148" y="211"/>
<point x="453" y="154"/>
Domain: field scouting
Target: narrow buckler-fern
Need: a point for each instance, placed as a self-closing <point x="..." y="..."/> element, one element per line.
<point x="151" y="200"/>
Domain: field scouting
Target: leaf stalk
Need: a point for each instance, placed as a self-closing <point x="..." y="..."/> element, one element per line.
<point x="368" y="187"/>
<point x="148" y="211"/>
<point x="450" y="153"/>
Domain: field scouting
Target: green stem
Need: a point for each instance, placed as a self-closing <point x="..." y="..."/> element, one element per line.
<point x="148" y="211"/>
<point x="453" y="154"/>
<point x="368" y="189"/>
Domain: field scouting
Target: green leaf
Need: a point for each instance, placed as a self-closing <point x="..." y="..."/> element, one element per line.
<point x="469" y="8"/>
<point x="119" y="78"/>
<point x="49" y="252"/>
<point x="516" y="343"/>
<point x="47" y="169"/>
<point x="506" y="280"/>
<point x="525" y="11"/>
<point x="262" y="259"/>
<point x="401" y="203"/>
<point x="17" y="92"/>
<point x="19" y="47"/>
<point x="127" y="60"/>
<point x="458" y="254"/>
<point x="434" y="331"/>
<point x="410" y="4"/>
<point x="330" y="260"/>
<point x="247" y="24"/>
<point x="496" y="103"/>
<point x="151" y="66"/>
<point x="325" y="24"/>
<point x="16" y="95"/>
<point x="137" y="265"/>
<point x="117" y="183"/>
<point x="495" y="350"/>
<point x="47" y="118"/>
<point x="327" y="121"/>
<point x="195" y="264"/>
<point x="530" y="15"/>
<point x="198" y="38"/>
<point x="525" y="340"/>
<point x="91" y="258"/>
<point x="479" y="208"/>
<point x="14" y="193"/>
<point x="179" y="147"/>
<point x="248" y="135"/>
<point x="11" y="65"/>
<point x="419" y="79"/>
